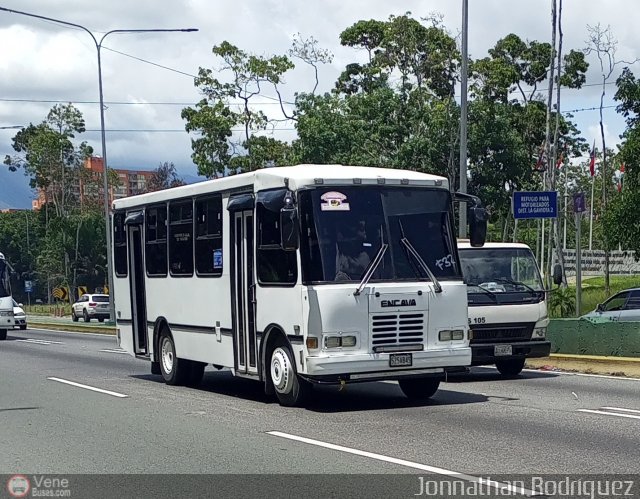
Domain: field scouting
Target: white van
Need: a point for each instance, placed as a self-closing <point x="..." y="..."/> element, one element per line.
<point x="507" y="305"/>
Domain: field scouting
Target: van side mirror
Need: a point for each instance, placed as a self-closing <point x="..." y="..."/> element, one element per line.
<point x="289" y="238"/>
<point x="557" y="274"/>
<point x="600" y="307"/>
<point x="477" y="226"/>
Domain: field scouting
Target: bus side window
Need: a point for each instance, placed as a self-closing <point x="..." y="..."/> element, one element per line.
<point x="156" y="240"/>
<point x="208" y="231"/>
<point x="120" y="245"/>
<point x="181" y="238"/>
<point x="275" y="266"/>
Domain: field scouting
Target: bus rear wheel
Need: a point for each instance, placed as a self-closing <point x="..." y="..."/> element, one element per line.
<point x="510" y="368"/>
<point x="419" y="388"/>
<point x="290" y="389"/>
<point x="174" y="371"/>
<point x="3" y="334"/>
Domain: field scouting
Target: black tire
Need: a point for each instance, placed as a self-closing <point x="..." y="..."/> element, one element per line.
<point x="23" y="327"/>
<point x="101" y="319"/>
<point x="290" y="389"/>
<point x="174" y="371"/>
<point x="510" y="368"/>
<point x="3" y="334"/>
<point x="74" y="317"/>
<point x="419" y="388"/>
<point x="155" y="368"/>
<point x="85" y="315"/>
<point x="196" y="372"/>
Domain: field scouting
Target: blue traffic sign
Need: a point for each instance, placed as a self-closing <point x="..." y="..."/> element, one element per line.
<point x="28" y="286"/>
<point x="536" y="204"/>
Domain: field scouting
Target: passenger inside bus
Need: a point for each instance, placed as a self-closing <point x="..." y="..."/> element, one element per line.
<point x="352" y="251"/>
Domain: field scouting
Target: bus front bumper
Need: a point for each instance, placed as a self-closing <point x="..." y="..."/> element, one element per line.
<point x="376" y="367"/>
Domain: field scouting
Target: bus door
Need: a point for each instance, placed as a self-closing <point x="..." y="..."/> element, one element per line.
<point x="243" y="282"/>
<point x="136" y="282"/>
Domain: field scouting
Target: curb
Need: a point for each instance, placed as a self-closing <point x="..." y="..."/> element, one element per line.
<point x="596" y="358"/>
<point x="109" y="331"/>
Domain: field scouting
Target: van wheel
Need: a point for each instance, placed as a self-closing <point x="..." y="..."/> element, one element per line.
<point x="510" y="368"/>
<point x="419" y="388"/>
<point x="74" y="317"/>
<point x="3" y="334"/>
<point x="175" y="371"/>
<point x="85" y="315"/>
<point x="290" y="389"/>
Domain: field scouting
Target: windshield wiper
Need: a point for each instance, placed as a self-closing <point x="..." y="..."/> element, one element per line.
<point x="488" y="291"/>
<point x="371" y="268"/>
<point x="412" y="251"/>
<point x="515" y="283"/>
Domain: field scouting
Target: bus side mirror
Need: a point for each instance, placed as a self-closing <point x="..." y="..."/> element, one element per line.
<point x="477" y="226"/>
<point x="557" y="274"/>
<point x="289" y="239"/>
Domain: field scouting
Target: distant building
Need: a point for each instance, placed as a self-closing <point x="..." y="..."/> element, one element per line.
<point x="90" y="185"/>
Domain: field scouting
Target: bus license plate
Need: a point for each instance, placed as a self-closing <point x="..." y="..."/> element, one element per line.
<point x="400" y="359"/>
<point x="500" y="350"/>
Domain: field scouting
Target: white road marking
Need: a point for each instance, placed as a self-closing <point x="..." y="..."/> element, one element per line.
<point x="606" y="413"/>
<point x="113" y="350"/>
<point x="635" y="411"/>
<point x="40" y="342"/>
<point x="63" y="331"/>
<point x="87" y="387"/>
<point x="503" y="487"/>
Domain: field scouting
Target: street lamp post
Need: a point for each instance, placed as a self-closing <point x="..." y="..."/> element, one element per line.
<point x="98" y="45"/>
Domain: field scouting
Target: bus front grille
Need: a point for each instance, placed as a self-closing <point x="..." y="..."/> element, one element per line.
<point x="402" y="331"/>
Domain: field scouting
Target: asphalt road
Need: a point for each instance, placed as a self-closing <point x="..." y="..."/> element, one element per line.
<point x="476" y="424"/>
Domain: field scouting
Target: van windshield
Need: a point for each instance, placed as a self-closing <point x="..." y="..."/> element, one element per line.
<point x="344" y="227"/>
<point x="501" y="275"/>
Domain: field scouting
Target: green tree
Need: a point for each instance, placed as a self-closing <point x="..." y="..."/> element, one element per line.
<point x="164" y="177"/>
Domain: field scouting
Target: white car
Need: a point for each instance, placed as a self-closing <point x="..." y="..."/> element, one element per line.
<point x="19" y="316"/>
<point x="623" y="306"/>
<point x="91" y="307"/>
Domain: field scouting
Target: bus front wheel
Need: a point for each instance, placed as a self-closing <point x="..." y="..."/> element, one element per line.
<point x="419" y="388"/>
<point x="3" y="334"/>
<point x="290" y="389"/>
<point x="175" y="371"/>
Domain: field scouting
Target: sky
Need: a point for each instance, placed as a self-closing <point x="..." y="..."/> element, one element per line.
<point x="148" y="77"/>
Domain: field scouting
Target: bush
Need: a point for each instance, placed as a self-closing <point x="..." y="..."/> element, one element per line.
<point x="562" y="303"/>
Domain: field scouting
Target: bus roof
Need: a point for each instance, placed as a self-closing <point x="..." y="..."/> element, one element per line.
<point x="465" y="244"/>
<point x="298" y="176"/>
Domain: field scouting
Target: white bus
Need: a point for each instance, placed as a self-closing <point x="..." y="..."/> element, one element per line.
<point x="507" y="305"/>
<point x="293" y="276"/>
<point x="6" y="301"/>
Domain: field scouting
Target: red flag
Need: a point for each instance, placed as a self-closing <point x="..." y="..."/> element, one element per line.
<point x="592" y="163"/>
<point x="560" y="160"/>
<point x="622" y="167"/>
<point x="540" y="164"/>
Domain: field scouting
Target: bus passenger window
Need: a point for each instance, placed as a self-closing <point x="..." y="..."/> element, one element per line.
<point x="208" y="242"/>
<point x="156" y="240"/>
<point x="119" y="245"/>
<point x="181" y="238"/>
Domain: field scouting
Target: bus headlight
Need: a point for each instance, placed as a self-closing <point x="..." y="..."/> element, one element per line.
<point x="540" y="332"/>
<point x="346" y="341"/>
<point x="449" y="335"/>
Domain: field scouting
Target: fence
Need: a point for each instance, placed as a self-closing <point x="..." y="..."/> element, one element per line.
<point x="583" y="337"/>
<point x="620" y="262"/>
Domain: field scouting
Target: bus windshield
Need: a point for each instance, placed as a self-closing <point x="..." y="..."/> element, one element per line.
<point x="5" y="287"/>
<point x="502" y="272"/>
<point x="343" y="229"/>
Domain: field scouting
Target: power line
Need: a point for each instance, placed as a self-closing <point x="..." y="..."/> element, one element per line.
<point x="131" y="103"/>
<point x="175" y="130"/>
<point x="150" y="62"/>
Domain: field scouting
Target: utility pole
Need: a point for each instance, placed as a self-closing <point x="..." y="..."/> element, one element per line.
<point x="463" y="119"/>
